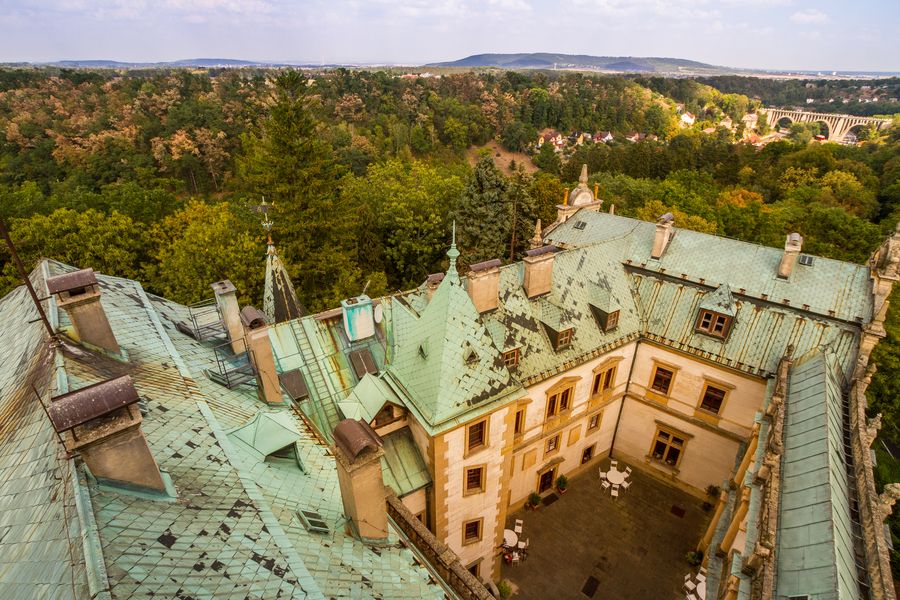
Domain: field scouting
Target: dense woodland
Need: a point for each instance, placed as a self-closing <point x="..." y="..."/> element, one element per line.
<point x="155" y="175"/>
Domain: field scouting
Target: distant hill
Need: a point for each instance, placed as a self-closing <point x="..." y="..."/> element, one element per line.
<point x="546" y="60"/>
<point x="190" y="62"/>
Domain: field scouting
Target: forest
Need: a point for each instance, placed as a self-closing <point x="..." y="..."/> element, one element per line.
<point x="156" y="175"/>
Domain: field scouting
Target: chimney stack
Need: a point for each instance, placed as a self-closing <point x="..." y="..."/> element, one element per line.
<point x="792" y="246"/>
<point x="432" y="283"/>
<point x="357" y="451"/>
<point x="268" y="387"/>
<point x="226" y="300"/>
<point x="484" y="285"/>
<point x="359" y="318"/>
<point x="663" y="236"/>
<point x="78" y="294"/>
<point x="102" y="422"/>
<point x="538" y="270"/>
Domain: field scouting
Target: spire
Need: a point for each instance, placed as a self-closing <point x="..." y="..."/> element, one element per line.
<point x="453" y="254"/>
<point x="584" y="175"/>
<point x="280" y="301"/>
<point x="537" y="241"/>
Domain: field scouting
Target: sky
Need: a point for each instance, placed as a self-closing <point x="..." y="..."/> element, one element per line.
<point x="861" y="35"/>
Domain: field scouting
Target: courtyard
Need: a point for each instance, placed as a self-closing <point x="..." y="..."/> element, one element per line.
<point x="585" y="544"/>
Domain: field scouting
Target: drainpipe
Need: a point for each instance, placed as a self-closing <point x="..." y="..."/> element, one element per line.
<point x="612" y="444"/>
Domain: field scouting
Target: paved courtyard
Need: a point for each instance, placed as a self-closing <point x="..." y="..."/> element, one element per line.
<point x="633" y="546"/>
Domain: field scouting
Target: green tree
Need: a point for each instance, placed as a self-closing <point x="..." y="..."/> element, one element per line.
<point x="547" y="159"/>
<point x="482" y="217"/>
<point x="523" y="212"/>
<point x="289" y="165"/>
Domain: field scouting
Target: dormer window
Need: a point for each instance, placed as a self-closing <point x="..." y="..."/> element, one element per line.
<point x="713" y="323"/>
<point x="606" y="321"/>
<point x="511" y="358"/>
<point x="564" y="339"/>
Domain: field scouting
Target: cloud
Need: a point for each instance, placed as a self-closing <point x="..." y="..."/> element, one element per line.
<point x="809" y="16"/>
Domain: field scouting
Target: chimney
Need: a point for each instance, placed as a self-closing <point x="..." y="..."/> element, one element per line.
<point x="78" y="294"/>
<point x="359" y="318"/>
<point x="432" y="283"/>
<point x="357" y="451"/>
<point x="268" y="387"/>
<point x="102" y="422"/>
<point x="484" y="284"/>
<point x="226" y="300"/>
<point x="663" y="236"/>
<point x="792" y="246"/>
<point x="538" y="270"/>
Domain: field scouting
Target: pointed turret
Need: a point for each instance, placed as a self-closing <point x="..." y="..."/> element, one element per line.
<point x="280" y="301"/>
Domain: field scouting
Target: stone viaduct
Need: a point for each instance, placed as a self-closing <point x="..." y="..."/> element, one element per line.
<point x="838" y="125"/>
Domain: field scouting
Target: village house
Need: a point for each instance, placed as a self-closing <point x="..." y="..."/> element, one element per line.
<point x="687" y="119"/>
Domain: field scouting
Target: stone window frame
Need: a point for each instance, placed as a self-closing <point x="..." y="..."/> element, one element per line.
<point x="466" y="540"/>
<point x="485" y="437"/>
<point x="592" y="448"/>
<point x="599" y="416"/>
<point x="519" y="423"/>
<point x="556" y="439"/>
<point x="672" y="432"/>
<point x="657" y="365"/>
<point x="604" y="376"/>
<point x="482" y="483"/>
<point x="717" y="385"/>
<point x="555" y="392"/>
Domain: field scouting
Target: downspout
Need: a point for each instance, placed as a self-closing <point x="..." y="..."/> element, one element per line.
<point x="612" y="444"/>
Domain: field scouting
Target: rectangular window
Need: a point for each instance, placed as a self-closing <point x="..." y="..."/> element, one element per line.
<point x="474" y="480"/>
<point x="587" y="454"/>
<point x="564" y="339"/>
<point x="472" y="531"/>
<point x="662" y="380"/>
<point x="475" y="568"/>
<point x="559" y="402"/>
<point x="713" y="323"/>
<point x="552" y="445"/>
<point x="476" y="436"/>
<point x="511" y="358"/>
<point x="593" y="422"/>
<point x="520" y="422"/>
<point x="603" y="381"/>
<point x="712" y="399"/>
<point x="667" y="447"/>
<point x="612" y="321"/>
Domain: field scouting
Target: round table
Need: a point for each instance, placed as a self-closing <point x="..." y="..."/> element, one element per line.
<point x="616" y="477"/>
<point x="701" y="590"/>
<point x="510" y="538"/>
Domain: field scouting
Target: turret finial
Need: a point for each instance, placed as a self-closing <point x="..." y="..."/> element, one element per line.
<point x="453" y="254"/>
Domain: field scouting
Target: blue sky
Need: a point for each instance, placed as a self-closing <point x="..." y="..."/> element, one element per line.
<point x="785" y="34"/>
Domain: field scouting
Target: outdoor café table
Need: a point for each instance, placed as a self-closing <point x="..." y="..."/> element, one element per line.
<point x="510" y="538"/>
<point x="616" y="477"/>
<point x="701" y="590"/>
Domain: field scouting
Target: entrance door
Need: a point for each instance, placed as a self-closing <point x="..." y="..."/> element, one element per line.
<point x="546" y="480"/>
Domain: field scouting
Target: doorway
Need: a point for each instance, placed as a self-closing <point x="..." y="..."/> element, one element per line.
<point x="545" y="482"/>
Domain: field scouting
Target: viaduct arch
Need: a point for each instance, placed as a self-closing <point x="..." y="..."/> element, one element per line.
<point x="838" y="124"/>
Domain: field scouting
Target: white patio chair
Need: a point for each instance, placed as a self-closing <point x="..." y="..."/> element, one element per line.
<point x="602" y="474"/>
<point x="687" y="577"/>
<point x="524" y="545"/>
<point x="703" y="571"/>
<point x="613" y="463"/>
<point x="626" y="484"/>
<point x="515" y="558"/>
<point x="627" y="470"/>
<point x="690" y="586"/>
<point x="700" y="577"/>
<point x="518" y="527"/>
<point x="605" y="484"/>
<point x="615" y="492"/>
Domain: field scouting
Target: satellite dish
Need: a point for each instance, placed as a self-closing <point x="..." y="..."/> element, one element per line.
<point x="378" y="313"/>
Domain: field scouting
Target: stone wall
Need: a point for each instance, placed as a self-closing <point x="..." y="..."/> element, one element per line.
<point x="438" y="554"/>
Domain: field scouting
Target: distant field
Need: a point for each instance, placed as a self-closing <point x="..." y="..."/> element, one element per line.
<point x="502" y="157"/>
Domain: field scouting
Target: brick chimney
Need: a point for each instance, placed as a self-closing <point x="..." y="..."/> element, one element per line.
<point x="538" y="270"/>
<point x="357" y="451"/>
<point x="432" y="283"/>
<point x="484" y="284"/>
<point x="259" y="347"/>
<point x="226" y="300"/>
<point x="663" y="236"/>
<point x="78" y="294"/>
<point x="102" y="423"/>
<point x="792" y="246"/>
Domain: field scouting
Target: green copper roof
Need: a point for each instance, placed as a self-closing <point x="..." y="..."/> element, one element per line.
<point x="827" y="287"/>
<point x="266" y="432"/>
<point x="404" y="468"/>
<point x="720" y="301"/>
<point x="815" y="538"/>
<point x="367" y="398"/>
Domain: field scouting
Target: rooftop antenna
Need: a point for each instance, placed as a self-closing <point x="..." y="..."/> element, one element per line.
<point x="26" y="280"/>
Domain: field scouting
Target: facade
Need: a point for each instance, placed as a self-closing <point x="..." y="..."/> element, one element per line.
<point x="613" y="337"/>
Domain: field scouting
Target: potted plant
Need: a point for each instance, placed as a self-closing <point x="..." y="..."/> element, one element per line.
<point x="562" y="483"/>
<point x="534" y="500"/>
<point x="712" y="492"/>
<point x="694" y="557"/>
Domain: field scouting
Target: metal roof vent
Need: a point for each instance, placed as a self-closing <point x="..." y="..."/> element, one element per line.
<point x="313" y="521"/>
<point x="580" y="225"/>
<point x="806" y="260"/>
<point x="801" y="597"/>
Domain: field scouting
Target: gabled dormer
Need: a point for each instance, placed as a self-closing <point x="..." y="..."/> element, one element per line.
<point x="558" y="325"/>
<point x="604" y="307"/>
<point x="716" y="313"/>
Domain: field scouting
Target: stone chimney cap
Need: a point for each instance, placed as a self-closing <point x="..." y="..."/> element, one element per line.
<point x="794" y="238"/>
<point x="354" y="436"/>
<point x="252" y="317"/>
<point x="666" y="219"/>
<point x="223" y="287"/>
<point x="91" y="402"/>
<point x="541" y="250"/>
<point x="435" y="278"/>
<point x="71" y="281"/>
<point x="485" y="265"/>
